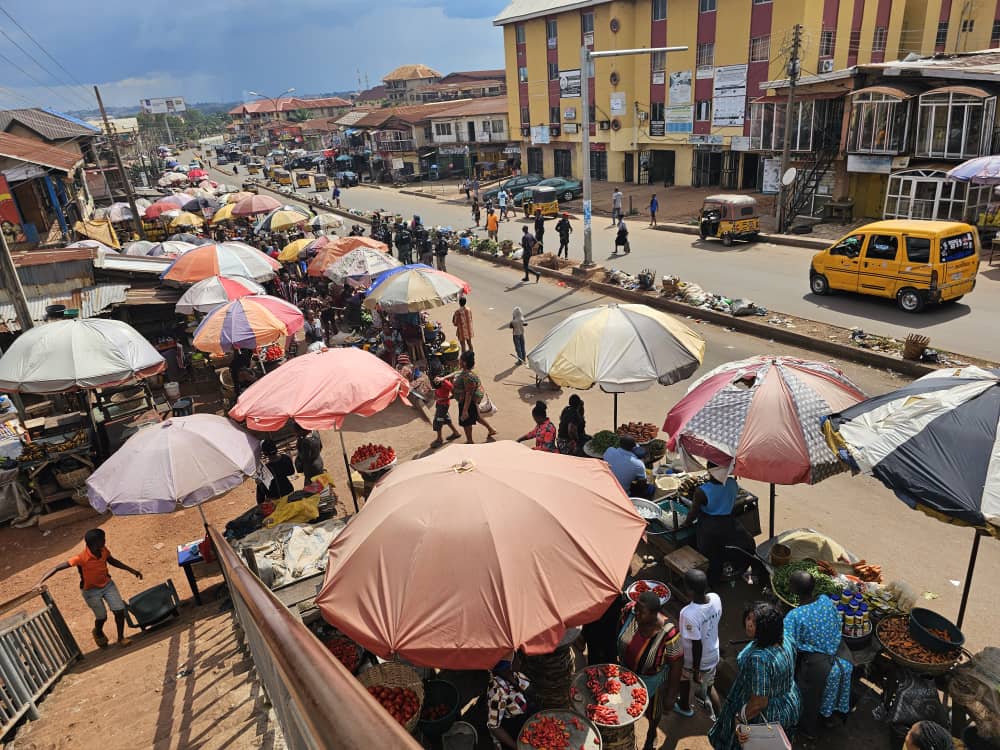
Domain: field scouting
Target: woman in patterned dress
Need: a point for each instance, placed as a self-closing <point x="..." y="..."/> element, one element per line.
<point x="544" y="432"/>
<point x="462" y="320"/>
<point x="765" y="684"/>
<point x="509" y="703"/>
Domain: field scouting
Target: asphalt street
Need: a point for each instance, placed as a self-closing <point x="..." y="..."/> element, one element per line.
<point x="858" y="511"/>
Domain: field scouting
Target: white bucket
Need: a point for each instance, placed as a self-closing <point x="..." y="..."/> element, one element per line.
<point x="172" y="390"/>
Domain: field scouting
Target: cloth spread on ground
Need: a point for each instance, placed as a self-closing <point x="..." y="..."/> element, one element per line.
<point x="292" y="551"/>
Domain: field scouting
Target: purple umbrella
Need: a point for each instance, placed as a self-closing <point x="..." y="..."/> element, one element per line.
<point x="984" y="170"/>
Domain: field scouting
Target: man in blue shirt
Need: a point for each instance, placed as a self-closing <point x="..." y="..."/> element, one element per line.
<point x="626" y="466"/>
<point x="712" y="507"/>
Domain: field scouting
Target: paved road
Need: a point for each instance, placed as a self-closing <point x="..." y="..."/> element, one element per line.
<point x="858" y="511"/>
<point x="774" y="276"/>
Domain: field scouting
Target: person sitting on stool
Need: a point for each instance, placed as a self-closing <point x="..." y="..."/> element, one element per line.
<point x="717" y="528"/>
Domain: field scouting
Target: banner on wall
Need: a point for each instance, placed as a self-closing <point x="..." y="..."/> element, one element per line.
<point x="618" y="103"/>
<point x="729" y="96"/>
<point x="680" y="88"/>
<point x="771" y="176"/>
<point x="569" y="84"/>
<point x="680" y="119"/>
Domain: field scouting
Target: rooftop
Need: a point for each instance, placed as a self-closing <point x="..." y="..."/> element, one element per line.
<point x="497" y="74"/>
<point x="411" y="73"/>
<point x="523" y="10"/>
<point x="51" y="125"/>
<point x="374" y="94"/>
<point x="486" y="105"/>
<point x="410" y="114"/>
<point x="34" y="152"/>
<point x="287" y="104"/>
<point x="352" y="117"/>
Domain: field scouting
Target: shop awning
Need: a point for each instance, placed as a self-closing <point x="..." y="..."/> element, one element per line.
<point x="975" y="91"/>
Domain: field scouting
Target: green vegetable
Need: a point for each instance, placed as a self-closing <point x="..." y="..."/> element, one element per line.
<point x="603" y="440"/>
<point x="825" y="585"/>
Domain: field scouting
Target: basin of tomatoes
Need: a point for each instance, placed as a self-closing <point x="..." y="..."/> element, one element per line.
<point x="345" y="650"/>
<point x="401" y="703"/>
<point x="609" y="695"/>
<point x="557" y="729"/>
<point x="372" y="457"/>
<point x="648" y="584"/>
<point x="435" y="712"/>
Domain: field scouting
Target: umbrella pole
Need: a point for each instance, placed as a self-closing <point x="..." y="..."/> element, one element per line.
<point x="203" y="519"/>
<point x="614" y="425"/>
<point x="350" y="484"/>
<point x="770" y="522"/>
<point x="968" y="579"/>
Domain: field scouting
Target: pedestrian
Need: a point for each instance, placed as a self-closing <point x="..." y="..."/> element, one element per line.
<point x="528" y="243"/>
<point x="469" y="393"/>
<point x="616" y="206"/>
<point x="308" y="454"/>
<point x="475" y="210"/>
<point x="236" y="169"/>
<point x="928" y="735"/>
<point x="313" y="330"/>
<point x="510" y="203"/>
<point x="279" y="469"/>
<point x="573" y="428"/>
<point x="462" y="320"/>
<point x="467" y="186"/>
<point x="502" y="202"/>
<point x="563" y="229"/>
<point x="426" y="247"/>
<point x="699" y="625"/>
<point x="96" y="584"/>
<point x="539" y="227"/>
<point x="516" y="325"/>
<point x="404" y="243"/>
<point x="627" y="467"/>
<point x="475" y="188"/>
<point x="654" y="206"/>
<point x="544" y="431"/>
<point x="621" y="238"/>
<point x="336" y="196"/>
<point x="441" y="251"/>
<point x="492" y="225"/>
<point x="442" y="405"/>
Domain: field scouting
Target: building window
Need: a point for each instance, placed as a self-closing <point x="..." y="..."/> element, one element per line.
<point x="760" y="48"/>
<point x="703" y="110"/>
<point x="519" y="33"/>
<point x="854" y="43"/>
<point x="551" y="29"/>
<point x="656" y="111"/>
<point x="496" y="126"/>
<point x="553" y="71"/>
<point x="879" y="124"/>
<point x="761" y="2"/>
<point x="658" y="61"/>
<point x="706" y="6"/>
<point x="954" y="125"/>
<point x="522" y="74"/>
<point x="706" y="55"/>
<point x="442" y="128"/>
<point x="929" y="194"/>
<point x="878" y="39"/>
<point x="659" y="10"/>
<point x="942" y="34"/>
<point x="587" y="23"/>
<point x="967" y="25"/>
<point x="553" y="114"/>
<point x="995" y="34"/>
<point x="827" y="43"/>
<point x="525" y="115"/>
<point x="427" y="133"/>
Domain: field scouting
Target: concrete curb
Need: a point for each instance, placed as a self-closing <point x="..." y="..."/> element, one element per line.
<point x="804" y="243"/>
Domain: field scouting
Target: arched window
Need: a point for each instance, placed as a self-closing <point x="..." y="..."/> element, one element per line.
<point x="955" y="122"/>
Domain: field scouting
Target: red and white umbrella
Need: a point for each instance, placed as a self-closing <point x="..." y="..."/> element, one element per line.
<point x="207" y="294"/>
<point x="762" y="417"/>
<point x="197" y="174"/>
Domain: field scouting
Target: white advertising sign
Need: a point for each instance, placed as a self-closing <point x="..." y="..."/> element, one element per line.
<point x="618" y="103"/>
<point x="162" y="106"/>
<point x="680" y="88"/>
<point x="772" y="176"/>
<point x="729" y="96"/>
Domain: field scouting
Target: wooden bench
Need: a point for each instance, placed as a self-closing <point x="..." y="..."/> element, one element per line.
<point x="678" y="563"/>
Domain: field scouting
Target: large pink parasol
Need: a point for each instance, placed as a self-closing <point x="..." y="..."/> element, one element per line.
<point x="255" y="204"/>
<point x="461" y="557"/>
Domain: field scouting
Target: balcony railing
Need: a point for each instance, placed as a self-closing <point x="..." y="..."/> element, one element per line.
<point x="404" y="145"/>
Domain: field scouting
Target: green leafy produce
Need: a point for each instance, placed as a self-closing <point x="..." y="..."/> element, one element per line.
<point x="603" y="440"/>
<point x="825" y="585"/>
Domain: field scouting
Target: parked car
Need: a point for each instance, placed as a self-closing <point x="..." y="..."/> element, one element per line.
<point x="515" y="185"/>
<point x="221" y="161"/>
<point x="567" y="190"/>
<point x="346" y="178"/>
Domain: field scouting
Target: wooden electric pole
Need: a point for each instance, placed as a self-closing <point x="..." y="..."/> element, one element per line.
<point x="12" y="283"/>
<point x="136" y="216"/>
<point x="787" y="192"/>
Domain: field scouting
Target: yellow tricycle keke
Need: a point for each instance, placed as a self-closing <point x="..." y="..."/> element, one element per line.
<point x="540" y="198"/>
<point x="282" y="177"/>
<point x="729" y="217"/>
<point x="254" y="167"/>
<point x="302" y="180"/>
<point x="321" y="182"/>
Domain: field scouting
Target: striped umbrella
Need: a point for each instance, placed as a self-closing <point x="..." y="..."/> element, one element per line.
<point x="936" y="443"/>
<point x="247" y="323"/>
<point x="762" y="417"/>
<point x="984" y="170"/>
<point x="222" y="259"/>
<point x="207" y="294"/>
<point x="619" y="348"/>
<point x="281" y="220"/>
<point x="255" y="204"/>
<point x="413" y="288"/>
<point x="360" y="266"/>
<point x="332" y="248"/>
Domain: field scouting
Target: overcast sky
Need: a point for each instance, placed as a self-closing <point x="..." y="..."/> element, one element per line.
<point x="207" y="50"/>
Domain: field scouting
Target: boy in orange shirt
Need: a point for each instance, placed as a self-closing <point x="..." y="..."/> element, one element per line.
<point x="492" y="225"/>
<point x="97" y="586"/>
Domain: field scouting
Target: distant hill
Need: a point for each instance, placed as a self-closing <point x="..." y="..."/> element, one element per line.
<point x="206" y="107"/>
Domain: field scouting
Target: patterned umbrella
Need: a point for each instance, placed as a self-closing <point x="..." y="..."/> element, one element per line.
<point x="207" y="294"/>
<point x="255" y="204"/>
<point x="762" y="417"/>
<point x="222" y="259"/>
<point x="332" y="248"/>
<point x="281" y="220"/>
<point x="323" y="222"/>
<point x="360" y="266"/>
<point x="413" y="288"/>
<point x="247" y="323"/>
<point x="984" y="170"/>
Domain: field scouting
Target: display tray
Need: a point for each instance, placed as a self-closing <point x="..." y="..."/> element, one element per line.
<point x="582" y="731"/>
<point x="633" y="591"/>
<point x="582" y="695"/>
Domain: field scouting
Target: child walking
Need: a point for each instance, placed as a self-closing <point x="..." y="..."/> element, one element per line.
<point x="442" y="407"/>
<point x="516" y="326"/>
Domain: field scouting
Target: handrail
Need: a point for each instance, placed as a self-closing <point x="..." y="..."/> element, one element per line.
<point x="334" y="709"/>
<point x="17" y="601"/>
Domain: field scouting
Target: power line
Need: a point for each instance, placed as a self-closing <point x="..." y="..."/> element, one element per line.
<point x="27" y="54"/>
<point x="29" y="75"/>
<point x="37" y="44"/>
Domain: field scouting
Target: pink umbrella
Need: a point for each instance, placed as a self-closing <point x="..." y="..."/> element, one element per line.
<point x="762" y="416"/>
<point x="255" y="204"/>
<point x="170" y="203"/>
<point x="475" y="551"/>
<point x="197" y="174"/>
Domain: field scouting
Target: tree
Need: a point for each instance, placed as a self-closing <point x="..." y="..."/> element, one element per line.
<point x="298" y="115"/>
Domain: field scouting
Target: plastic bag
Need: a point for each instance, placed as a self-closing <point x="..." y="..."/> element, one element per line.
<point x="742" y="307"/>
<point x="294" y="511"/>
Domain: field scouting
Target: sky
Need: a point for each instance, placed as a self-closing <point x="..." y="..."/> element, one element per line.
<point x="219" y="50"/>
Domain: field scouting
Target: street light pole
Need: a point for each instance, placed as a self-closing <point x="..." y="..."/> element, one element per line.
<point x="273" y="99"/>
<point x="586" y="57"/>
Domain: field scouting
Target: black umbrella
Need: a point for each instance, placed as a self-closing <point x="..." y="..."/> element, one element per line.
<point x="192" y="238"/>
<point x="199" y="203"/>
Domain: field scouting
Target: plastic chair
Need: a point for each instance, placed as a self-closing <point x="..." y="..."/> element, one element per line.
<point x="152" y="606"/>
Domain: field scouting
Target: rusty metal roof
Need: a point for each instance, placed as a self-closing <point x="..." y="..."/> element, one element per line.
<point x="90" y="301"/>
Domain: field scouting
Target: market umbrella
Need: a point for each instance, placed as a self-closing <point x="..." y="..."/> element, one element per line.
<point x="281" y="220"/>
<point x="291" y="252"/>
<point x="413" y="288"/>
<point x="332" y="248"/>
<point x="360" y="266"/>
<point x="207" y="294"/>
<point x="170" y="248"/>
<point x="197" y="192"/>
<point x="77" y="354"/>
<point x="552" y="542"/>
<point x="318" y="390"/>
<point x="934" y="442"/>
<point x="210" y="185"/>
<point x="225" y="189"/>
<point x="221" y="259"/>
<point x="225" y="213"/>
<point x="983" y="170"/>
<point x="191" y="239"/>
<point x="325" y="222"/>
<point x="186" y="219"/>
<point x="93" y="244"/>
<point x="138" y="247"/>
<point x="170" y="203"/>
<point x="344" y="158"/>
<point x="202" y="204"/>
<point x="176" y="464"/>
<point x="762" y="417"/>
<point x="619" y="348"/>
<point x="118" y="212"/>
<point x="247" y="323"/>
<point x="237" y="196"/>
<point x="255" y="204"/>
<point x="196" y="174"/>
<point x="172" y="178"/>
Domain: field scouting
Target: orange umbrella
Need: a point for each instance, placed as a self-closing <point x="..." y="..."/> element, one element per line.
<point x="552" y="543"/>
<point x="337" y="247"/>
<point x="221" y="259"/>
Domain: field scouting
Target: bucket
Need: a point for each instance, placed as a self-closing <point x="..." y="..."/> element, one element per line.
<point x="172" y="390"/>
<point x="780" y="555"/>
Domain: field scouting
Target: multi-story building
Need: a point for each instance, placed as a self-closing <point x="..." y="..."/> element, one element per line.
<point x="683" y="118"/>
<point x="405" y="84"/>
<point x="248" y="118"/>
<point x="470" y="133"/>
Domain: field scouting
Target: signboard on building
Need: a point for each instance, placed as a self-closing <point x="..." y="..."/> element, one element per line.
<point x="704" y="71"/>
<point x="657" y="127"/>
<point x="739" y="143"/>
<point x="483" y="136"/>
<point x="570" y="128"/>
<point x="617" y="103"/>
<point x="540" y="135"/>
<point x="729" y="96"/>
<point x="397" y="163"/>
<point x="658" y="78"/>
<point x="771" y="176"/>
<point x="869" y="164"/>
<point x="705" y="140"/>
<point x="680" y="119"/>
<point x="680" y="88"/>
<point x="569" y="84"/>
<point x="569" y="113"/>
<point x="10" y="217"/>
<point x="163" y="106"/>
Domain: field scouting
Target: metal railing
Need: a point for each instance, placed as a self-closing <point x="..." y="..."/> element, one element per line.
<point x="318" y="702"/>
<point x="36" y="648"/>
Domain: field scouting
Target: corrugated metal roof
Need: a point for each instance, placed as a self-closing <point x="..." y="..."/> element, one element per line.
<point x="158" y="296"/>
<point x="51" y="125"/>
<point x="90" y="301"/>
<point x="133" y="263"/>
<point x="36" y="152"/>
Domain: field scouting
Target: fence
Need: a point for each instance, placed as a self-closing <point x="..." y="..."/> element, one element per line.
<point x="36" y="648"/>
<point x="318" y="702"/>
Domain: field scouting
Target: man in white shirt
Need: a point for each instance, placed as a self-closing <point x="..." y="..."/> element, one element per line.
<point x="502" y="202"/>
<point x="699" y="626"/>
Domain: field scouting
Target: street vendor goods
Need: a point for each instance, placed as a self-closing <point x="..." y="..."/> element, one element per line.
<point x="348" y="652"/>
<point x="558" y="730"/>
<point x="641" y="432"/>
<point x="602" y="441"/>
<point x="894" y="634"/>
<point x="824" y="584"/>
<point x="609" y="695"/>
<point x="371" y="457"/>
<point x="401" y="703"/>
<point x="640" y="587"/>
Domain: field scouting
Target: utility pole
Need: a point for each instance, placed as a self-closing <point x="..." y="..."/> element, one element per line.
<point x="785" y="192"/>
<point x="166" y="121"/>
<point x="12" y="282"/>
<point x="136" y="216"/>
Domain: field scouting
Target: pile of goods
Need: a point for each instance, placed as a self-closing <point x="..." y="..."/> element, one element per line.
<point x="825" y="584"/>
<point x="270" y="353"/>
<point x="602" y="441"/>
<point x="346" y="651"/>
<point x="32" y="452"/>
<point x="401" y="703"/>
<point x="612" y="695"/>
<point x="863" y="571"/>
<point x="558" y="730"/>
<point x="655" y="450"/>
<point x="372" y="457"/>
<point x="854" y="610"/>
<point x="641" y="432"/>
<point x="894" y="633"/>
<point x="435" y="712"/>
<point x="640" y="587"/>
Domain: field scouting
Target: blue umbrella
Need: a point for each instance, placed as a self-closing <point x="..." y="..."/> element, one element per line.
<point x="984" y="170"/>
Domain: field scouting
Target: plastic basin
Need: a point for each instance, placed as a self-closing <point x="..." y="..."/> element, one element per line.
<point x="921" y="623"/>
<point x="437" y="692"/>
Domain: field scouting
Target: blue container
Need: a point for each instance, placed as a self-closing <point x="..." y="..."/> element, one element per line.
<point x="465" y="242"/>
<point x="668" y="505"/>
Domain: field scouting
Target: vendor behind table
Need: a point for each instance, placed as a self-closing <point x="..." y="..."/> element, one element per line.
<point x="717" y="528"/>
